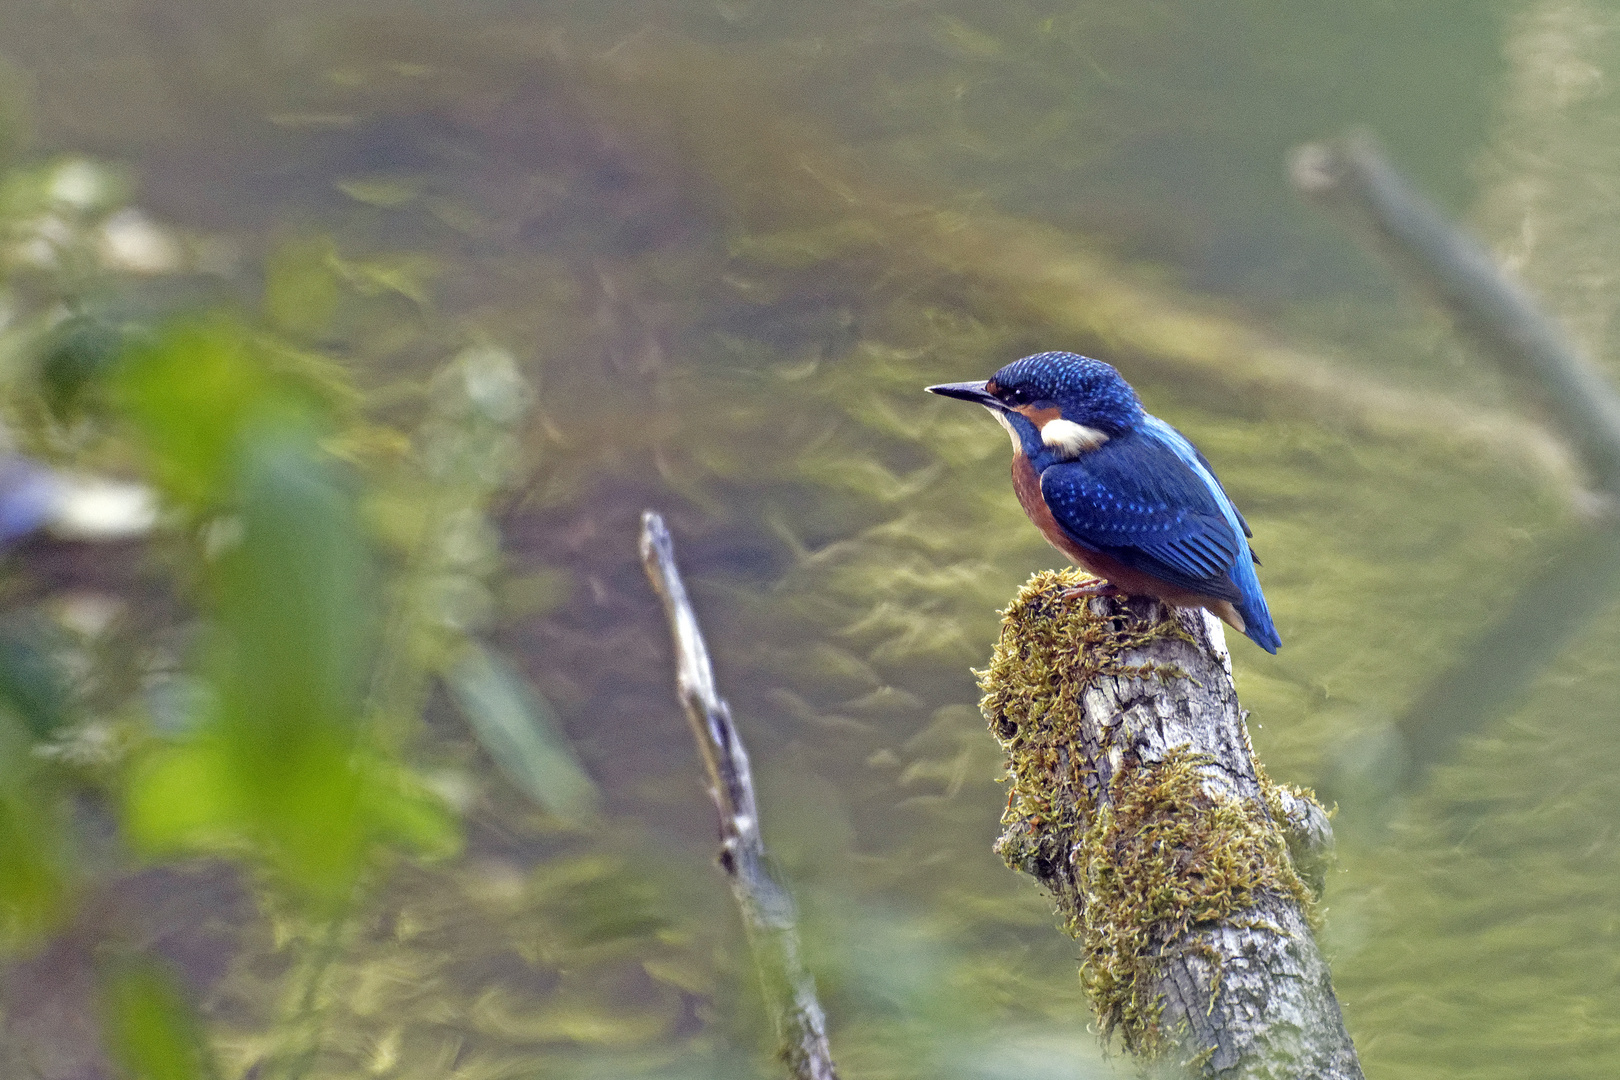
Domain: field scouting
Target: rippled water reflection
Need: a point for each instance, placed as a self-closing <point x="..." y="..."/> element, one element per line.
<point x="733" y="241"/>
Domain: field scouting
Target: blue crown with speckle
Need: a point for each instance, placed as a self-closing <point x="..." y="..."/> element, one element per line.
<point x="1085" y="389"/>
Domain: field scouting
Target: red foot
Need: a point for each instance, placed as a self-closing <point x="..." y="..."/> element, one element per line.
<point x="1096" y="588"/>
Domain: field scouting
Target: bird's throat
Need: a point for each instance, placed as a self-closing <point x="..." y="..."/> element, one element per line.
<point x="1007" y="425"/>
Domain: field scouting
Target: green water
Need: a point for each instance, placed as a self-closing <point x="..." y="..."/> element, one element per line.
<point x="731" y="241"/>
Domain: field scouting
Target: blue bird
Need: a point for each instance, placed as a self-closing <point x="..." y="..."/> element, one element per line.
<point x="1121" y="492"/>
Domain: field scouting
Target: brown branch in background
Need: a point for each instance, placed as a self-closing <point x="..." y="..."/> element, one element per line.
<point x="1351" y="179"/>
<point x="767" y="909"/>
<point x="1185" y="875"/>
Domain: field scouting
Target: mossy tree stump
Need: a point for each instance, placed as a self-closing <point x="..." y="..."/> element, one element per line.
<point x="1175" y="862"/>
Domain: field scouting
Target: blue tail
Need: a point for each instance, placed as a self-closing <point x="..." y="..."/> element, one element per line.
<point x="1256" y="617"/>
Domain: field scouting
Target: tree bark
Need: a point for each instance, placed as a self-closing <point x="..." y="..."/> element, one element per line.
<point x="1173" y="859"/>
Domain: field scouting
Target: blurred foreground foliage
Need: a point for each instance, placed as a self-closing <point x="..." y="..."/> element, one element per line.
<point x="279" y="763"/>
<point x="316" y="570"/>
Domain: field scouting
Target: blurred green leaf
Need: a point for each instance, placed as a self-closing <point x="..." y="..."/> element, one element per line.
<point x="78" y="351"/>
<point x="189" y="394"/>
<point x="518" y="729"/>
<point x="33" y="879"/>
<point x="295" y="594"/>
<point x="149" y="1028"/>
<point x="313" y="820"/>
<point x="34" y="847"/>
<point x="294" y="637"/>
<point x="281" y="763"/>
<point x="300" y="811"/>
<point x="183" y="797"/>
<point x="404" y="811"/>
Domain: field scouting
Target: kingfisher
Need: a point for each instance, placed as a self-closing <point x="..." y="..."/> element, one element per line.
<point x="1121" y="492"/>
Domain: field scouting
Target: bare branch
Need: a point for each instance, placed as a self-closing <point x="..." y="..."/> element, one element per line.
<point x="767" y="909"/>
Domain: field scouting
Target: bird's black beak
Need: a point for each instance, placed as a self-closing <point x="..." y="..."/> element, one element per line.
<point x="968" y="391"/>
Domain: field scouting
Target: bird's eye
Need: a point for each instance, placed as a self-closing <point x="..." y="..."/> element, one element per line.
<point x="1017" y="396"/>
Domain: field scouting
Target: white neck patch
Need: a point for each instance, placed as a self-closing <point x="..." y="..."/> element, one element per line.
<point x="1070" y="439"/>
<point x="1012" y="432"/>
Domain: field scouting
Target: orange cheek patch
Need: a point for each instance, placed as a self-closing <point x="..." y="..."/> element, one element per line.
<point x="1039" y="417"/>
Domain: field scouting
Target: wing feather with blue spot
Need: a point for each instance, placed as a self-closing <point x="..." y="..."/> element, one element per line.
<point x="1135" y="499"/>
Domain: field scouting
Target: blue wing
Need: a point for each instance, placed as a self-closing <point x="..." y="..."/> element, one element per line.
<point x="1135" y="498"/>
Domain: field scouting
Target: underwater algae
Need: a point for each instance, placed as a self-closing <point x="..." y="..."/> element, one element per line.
<point x="1137" y="801"/>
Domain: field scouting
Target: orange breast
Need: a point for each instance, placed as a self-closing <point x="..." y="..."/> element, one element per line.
<point x="1027" y="486"/>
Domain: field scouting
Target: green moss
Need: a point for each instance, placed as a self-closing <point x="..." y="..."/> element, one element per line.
<point x="1139" y="865"/>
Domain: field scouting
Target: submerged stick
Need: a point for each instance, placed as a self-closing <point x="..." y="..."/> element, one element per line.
<point x="1174" y="861"/>
<point x="767" y="910"/>
<point x="1350" y="178"/>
